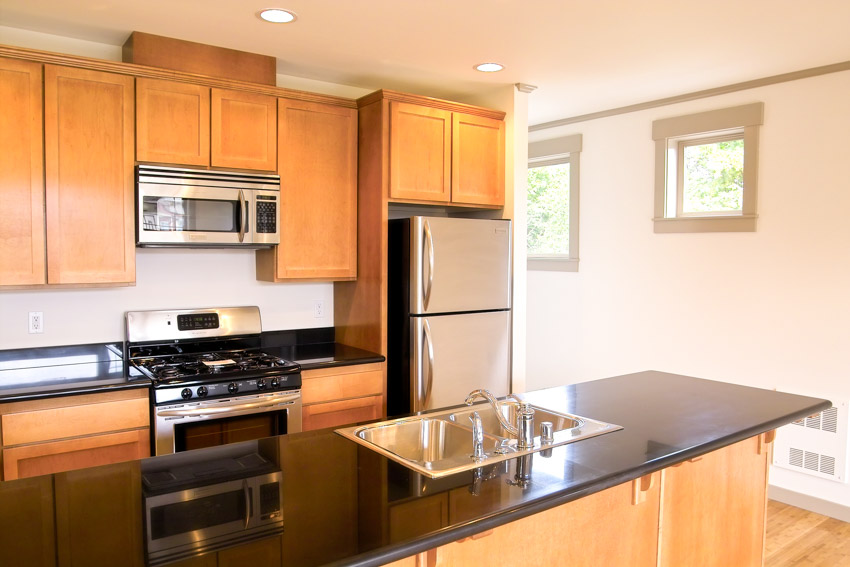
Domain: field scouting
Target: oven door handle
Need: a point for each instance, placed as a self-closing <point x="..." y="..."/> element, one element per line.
<point x="229" y="408"/>
<point x="247" y="493"/>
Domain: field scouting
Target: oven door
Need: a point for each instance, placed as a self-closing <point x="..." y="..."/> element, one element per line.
<point x="170" y="215"/>
<point x="195" y="425"/>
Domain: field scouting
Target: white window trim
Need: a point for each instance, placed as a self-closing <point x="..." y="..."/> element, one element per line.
<point x="553" y="152"/>
<point x="668" y="132"/>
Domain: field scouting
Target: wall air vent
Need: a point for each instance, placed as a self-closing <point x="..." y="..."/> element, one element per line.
<point x="816" y="445"/>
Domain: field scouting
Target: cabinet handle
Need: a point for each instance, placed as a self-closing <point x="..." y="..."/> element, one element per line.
<point x="427" y="558"/>
<point x="765" y="440"/>
<point x="640" y="486"/>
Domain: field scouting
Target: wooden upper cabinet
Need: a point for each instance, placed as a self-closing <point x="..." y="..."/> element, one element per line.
<point x="478" y="160"/>
<point x="243" y="130"/>
<point x="420" y="152"/>
<point x="88" y="139"/>
<point x="22" y="256"/>
<point x="318" y="186"/>
<point x="172" y="122"/>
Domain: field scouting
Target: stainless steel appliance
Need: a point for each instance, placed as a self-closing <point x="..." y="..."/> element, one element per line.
<point x="194" y="506"/>
<point x="449" y="311"/>
<point x="212" y="384"/>
<point x="203" y="208"/>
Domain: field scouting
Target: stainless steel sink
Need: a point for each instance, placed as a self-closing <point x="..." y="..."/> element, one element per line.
<point x="440" y="443"/>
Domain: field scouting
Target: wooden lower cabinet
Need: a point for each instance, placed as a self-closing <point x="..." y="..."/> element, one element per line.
<point x="74" y="432"/>
<point x="408" y="518"/>
<point x="709" y="511"/>
<point x="27" y="537"/>
<point x="334" y="397"/>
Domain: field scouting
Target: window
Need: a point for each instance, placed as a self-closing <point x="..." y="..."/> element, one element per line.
<point x="706" y="169"/>
<point x="552" y="204"/>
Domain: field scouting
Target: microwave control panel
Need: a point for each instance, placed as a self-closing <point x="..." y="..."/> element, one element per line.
<point x="266" y="214"/>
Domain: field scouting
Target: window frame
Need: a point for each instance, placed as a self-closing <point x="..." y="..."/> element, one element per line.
<point x="556" y="151"/>
<point x="672" y="134"/>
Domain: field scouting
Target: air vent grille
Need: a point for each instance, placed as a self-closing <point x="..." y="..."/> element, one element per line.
<point x="816" y="445"/>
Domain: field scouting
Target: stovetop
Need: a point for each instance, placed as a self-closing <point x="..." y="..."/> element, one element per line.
<point x="212" y="366"/>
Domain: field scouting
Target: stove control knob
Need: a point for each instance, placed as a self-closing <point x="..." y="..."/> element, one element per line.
<point x="232" y="388"/>
<point x="186" y="393"/>
<point x="261" y="384"/>
<point x="202" y="392"/>
<point x="275" y="383"/>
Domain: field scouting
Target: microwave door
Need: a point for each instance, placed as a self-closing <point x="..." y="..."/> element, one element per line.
<point x="169" y="214"/>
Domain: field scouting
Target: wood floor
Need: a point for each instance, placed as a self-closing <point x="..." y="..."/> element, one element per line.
<point x="801" y="538"/>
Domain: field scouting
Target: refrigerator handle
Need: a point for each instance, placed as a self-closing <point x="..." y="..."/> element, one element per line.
<point x="429" y="373"/>
<point x="428" y="279"/>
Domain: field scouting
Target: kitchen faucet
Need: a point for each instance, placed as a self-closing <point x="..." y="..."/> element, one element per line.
<point x="524" y="428"/>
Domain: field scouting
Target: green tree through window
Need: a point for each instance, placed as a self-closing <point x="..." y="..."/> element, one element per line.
<point x="549" y="209"/>
<point x="713" y="177"/>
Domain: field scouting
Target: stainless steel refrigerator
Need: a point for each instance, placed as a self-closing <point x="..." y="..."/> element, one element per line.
<point x="449" y="311"/>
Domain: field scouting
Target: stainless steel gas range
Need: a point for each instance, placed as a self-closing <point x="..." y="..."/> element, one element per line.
<point x="212" y="383"/>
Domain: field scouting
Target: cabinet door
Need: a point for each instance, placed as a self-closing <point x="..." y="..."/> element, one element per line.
<point x="714" y="508"/>
<point x="420" y="152"/>
<point x="478" y="160"/>
<point x="27" y="535"/>
<point x="318" y="182"/>
<point x="21" y="174"/>
<point x="337" y="414"/>
<point x="408" y="519"/>
<point x="88" y="139"/>
<point x="243" y="130"/>
<point x="97" y="501"/>
<point x="59" y="456"/>
<point x="172" y="122"/>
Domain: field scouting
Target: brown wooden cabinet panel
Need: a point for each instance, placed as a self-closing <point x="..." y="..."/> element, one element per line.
<point x="97" y="501"/>
<point x="172" y="122"/>
<point x="22" y="255"/>
<point x="263" y="553"/>
<point x="407" y="519"/>
<point x="88" y="139"/>
<point x="243" y="130"/>
<point x="714" y="508"/>
<point x="72" y="454"/>
<point x="337" y="414"/>
<point x="27" y="537"/>
<point x="317" y="145"/>
<point x="478" y="160"/>
<point x="329" y="384"/>
<point x="420" y="152"/>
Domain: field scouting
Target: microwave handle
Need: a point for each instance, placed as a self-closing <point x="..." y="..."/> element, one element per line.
<point x="243" y="215"/>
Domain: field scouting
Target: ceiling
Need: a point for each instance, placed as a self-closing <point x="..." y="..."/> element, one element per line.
<point x="583" y="55"/>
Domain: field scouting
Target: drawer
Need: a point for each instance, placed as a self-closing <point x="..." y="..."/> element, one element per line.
<point x="323" y="386"/>
<point x="337" y="414"/>
<point x="74" y="421"/>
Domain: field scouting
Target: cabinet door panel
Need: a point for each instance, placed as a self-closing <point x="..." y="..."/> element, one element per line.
<point x="263" y="553"/>
<point x="478" y="160"/>
<point x="318" y="176"/>
<point x="244" y="130"/>
<point x="172" y="122"/>
<point x="27" y="536"/>
<point x="420" y="152"/>
<point x="88" y="134"/>
<point x="329" y="387"/>
<point x="22" y="254"/>
<point x="337" y="414"/>
<point x="714" y="508"/>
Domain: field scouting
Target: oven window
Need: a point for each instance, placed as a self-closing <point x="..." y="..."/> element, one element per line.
<point x="197" y="514"/>
<point x="210" y="433"/>
<point x="190" y="215"/>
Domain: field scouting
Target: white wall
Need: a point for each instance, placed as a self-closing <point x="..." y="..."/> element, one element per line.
<point x="769" y="309"/>
<point x="165" y="279"/>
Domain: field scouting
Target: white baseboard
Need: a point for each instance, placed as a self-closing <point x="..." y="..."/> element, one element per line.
<point x="825" y="507"/>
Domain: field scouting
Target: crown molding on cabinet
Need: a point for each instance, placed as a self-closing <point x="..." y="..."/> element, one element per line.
<point x="385" y="94"/>
<point x="167" y="74"/>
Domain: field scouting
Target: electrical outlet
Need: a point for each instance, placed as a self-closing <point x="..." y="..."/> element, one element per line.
<point x="36" y="319"/>
<point x="318" y="309"/>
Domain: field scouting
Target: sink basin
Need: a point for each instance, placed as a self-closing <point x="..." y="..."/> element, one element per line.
<point x="439" y="443"/>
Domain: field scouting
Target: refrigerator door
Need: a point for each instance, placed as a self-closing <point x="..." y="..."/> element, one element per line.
<point x="459" y="265"/>
<point x="455" y="354"/>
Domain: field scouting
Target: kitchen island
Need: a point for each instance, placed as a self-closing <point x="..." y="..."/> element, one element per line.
<point x="684" y="482"/>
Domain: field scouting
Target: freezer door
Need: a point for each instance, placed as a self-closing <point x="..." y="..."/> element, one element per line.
<point x="455" y="354"/>
<point x="459" y="265"/>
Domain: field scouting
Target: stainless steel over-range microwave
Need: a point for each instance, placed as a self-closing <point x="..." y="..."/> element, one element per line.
<point x="203" y="208"/>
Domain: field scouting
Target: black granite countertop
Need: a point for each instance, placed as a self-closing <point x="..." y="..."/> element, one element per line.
<point x="345" y="504"/>
<point x="28" y="374"/>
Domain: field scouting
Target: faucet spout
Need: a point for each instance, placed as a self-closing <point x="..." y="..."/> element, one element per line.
<point x="481" y="393"/>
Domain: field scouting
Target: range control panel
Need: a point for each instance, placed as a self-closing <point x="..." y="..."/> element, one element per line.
<point x="197" y="321"/>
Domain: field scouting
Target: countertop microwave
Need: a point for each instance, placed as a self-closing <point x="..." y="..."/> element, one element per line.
<point x="205" y="208"/>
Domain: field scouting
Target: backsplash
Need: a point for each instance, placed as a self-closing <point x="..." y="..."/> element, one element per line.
<point x="165" y="279"/>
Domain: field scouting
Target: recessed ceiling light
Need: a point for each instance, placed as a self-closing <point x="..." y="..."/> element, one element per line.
<point x="489" y="67"/>
<point x="277" y="15"/>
